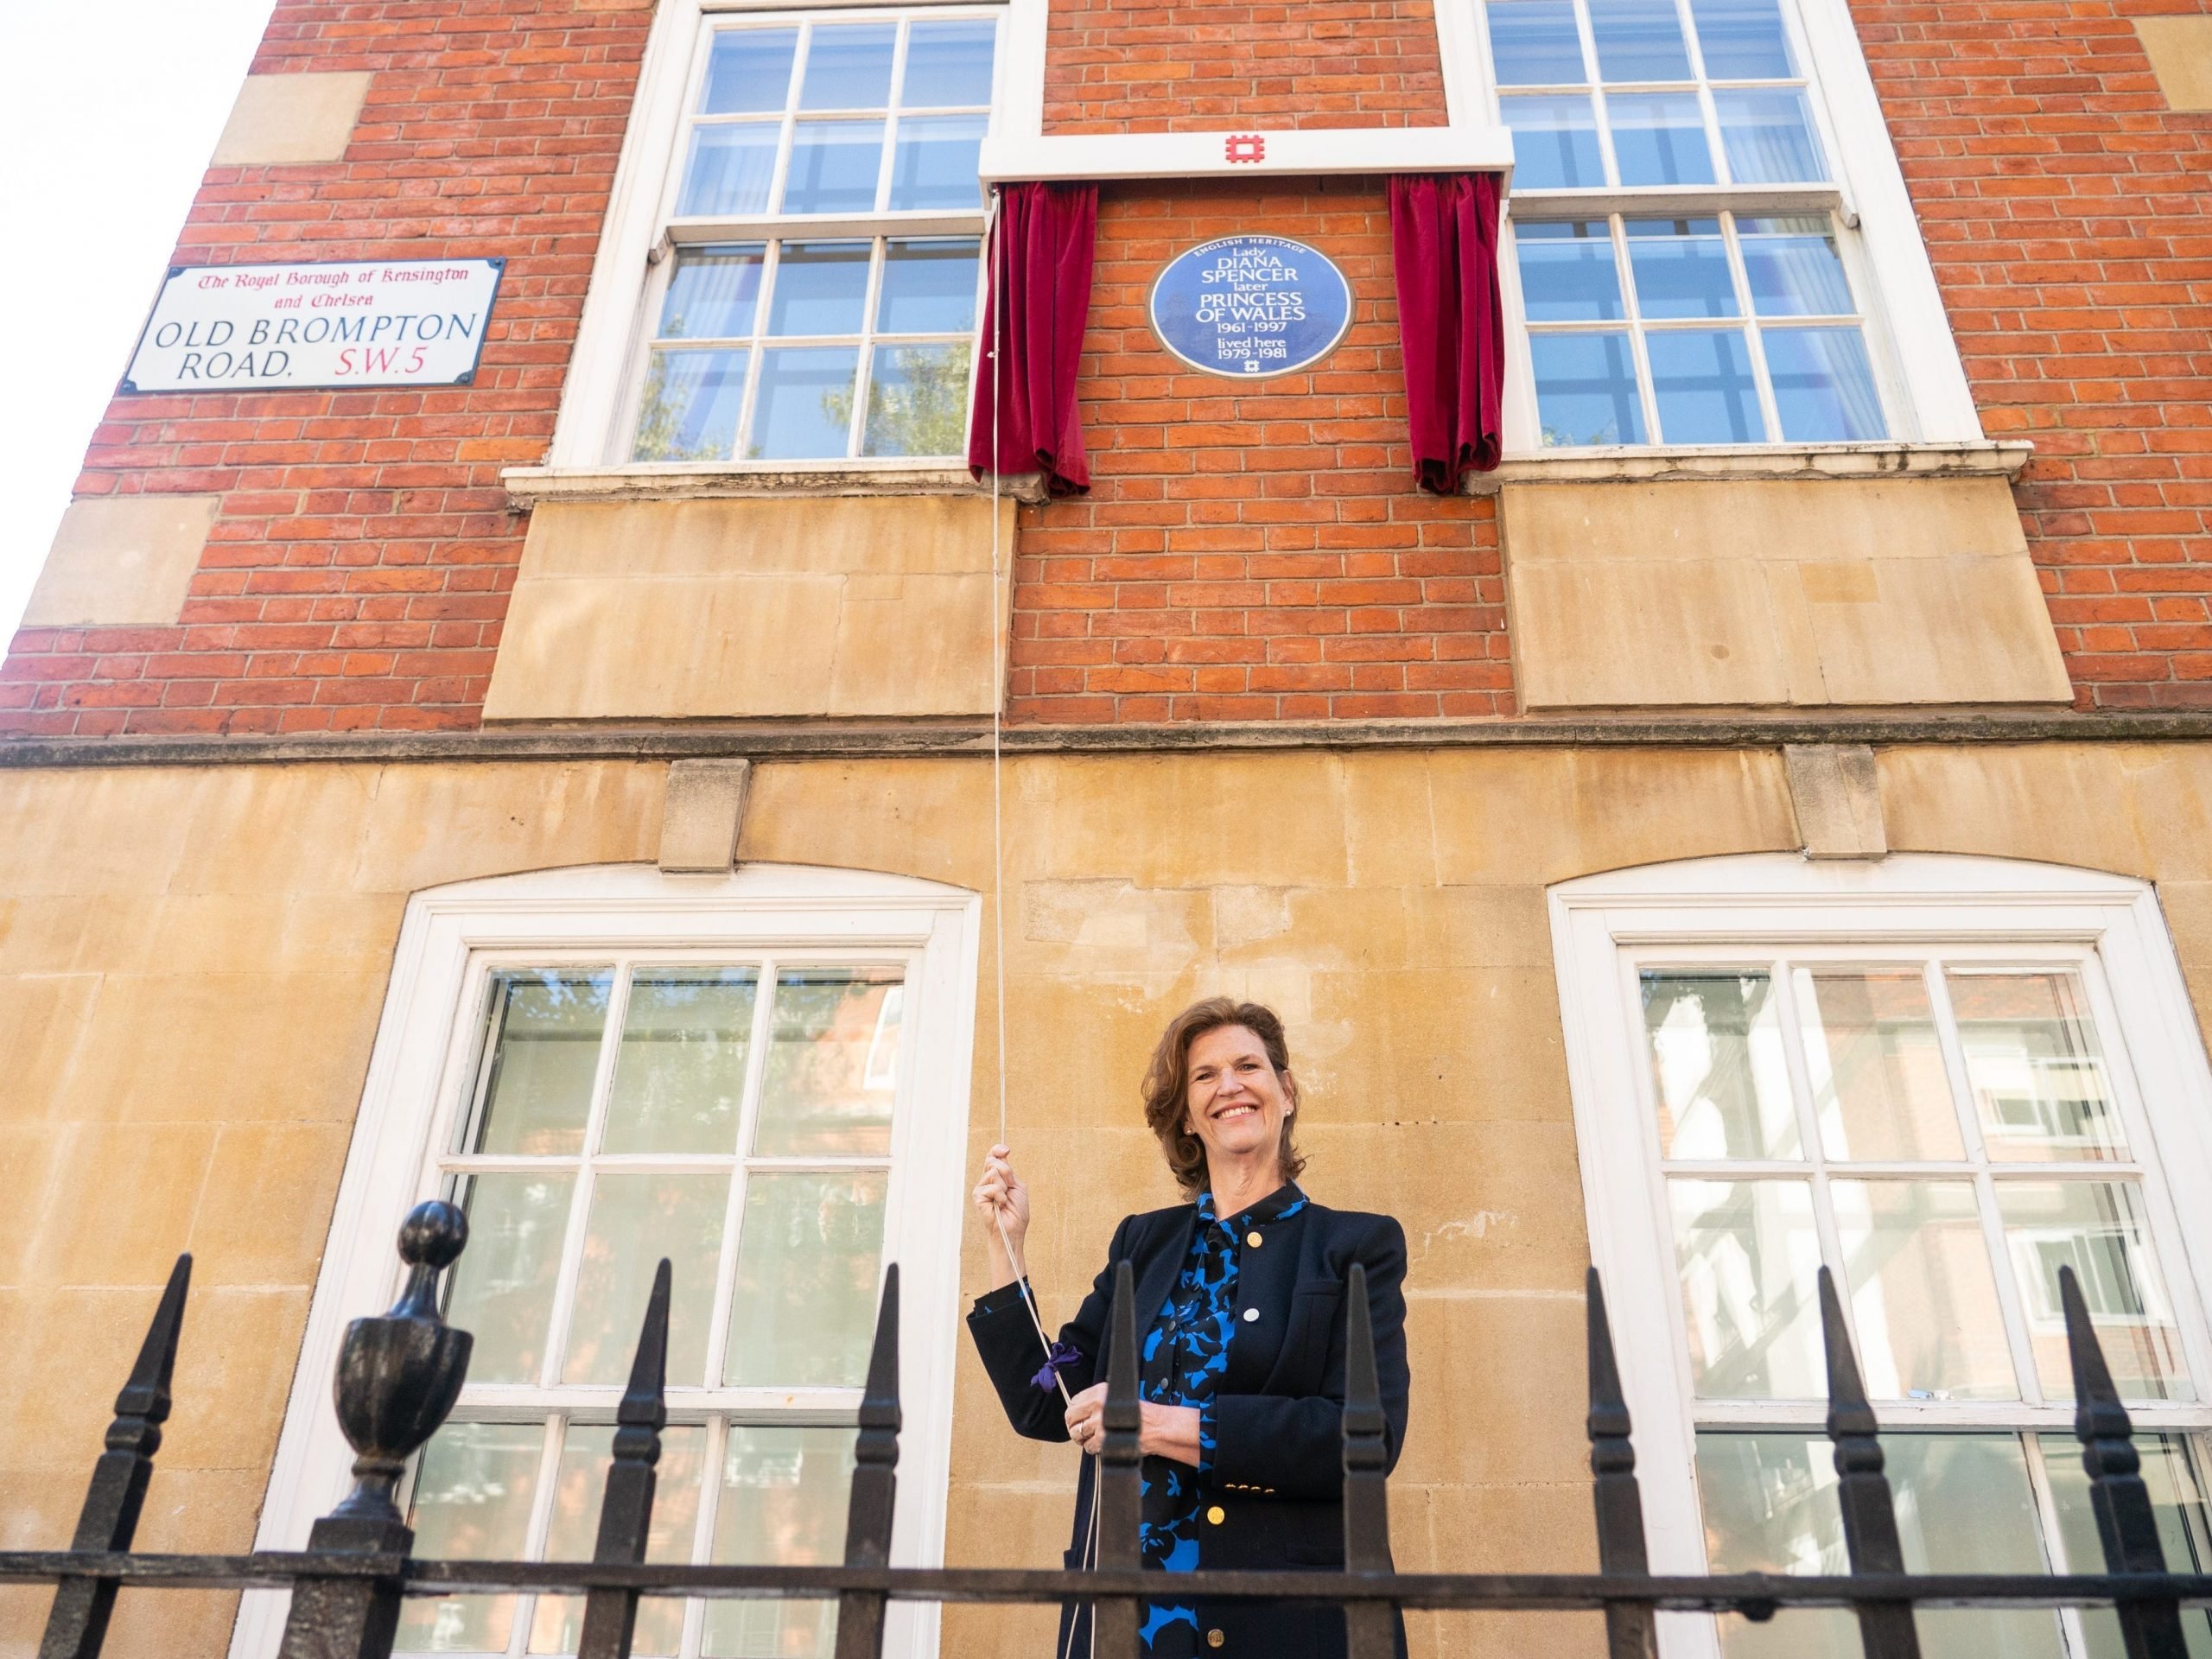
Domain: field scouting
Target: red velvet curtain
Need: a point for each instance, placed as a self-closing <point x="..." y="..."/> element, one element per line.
<point x="1039" y="298"/>
<point x="1444" y="233"/>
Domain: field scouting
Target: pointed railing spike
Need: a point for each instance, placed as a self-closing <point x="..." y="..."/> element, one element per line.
<point x="1370" y="1629"/>
<point x="869" y="1510"/>
<point x="1114" y="1623"/>
<point x="1870" y="1522"/>
<point x="77" y="1625"/>
<point x="398" y="1376"/>
<point x="1630" y="1626"/>
<point x="2125" y="1524"/>
<point x="625" y="1514"/>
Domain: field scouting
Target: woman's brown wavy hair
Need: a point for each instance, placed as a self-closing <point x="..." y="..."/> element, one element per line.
<point x="1168" y="1083"/>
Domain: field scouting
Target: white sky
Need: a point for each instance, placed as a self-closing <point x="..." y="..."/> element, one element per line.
<point x="108" y="113"/>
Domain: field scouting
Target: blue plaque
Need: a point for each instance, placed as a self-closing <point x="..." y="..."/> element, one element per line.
<point x="1249" y="306"/>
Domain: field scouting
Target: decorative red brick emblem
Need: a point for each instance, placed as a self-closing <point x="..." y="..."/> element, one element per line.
<point x="1245" y="146"/>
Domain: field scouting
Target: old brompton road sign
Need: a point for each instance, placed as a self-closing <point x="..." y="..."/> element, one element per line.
<point x="292" y="327"/>
<point x="1249" y="306"/>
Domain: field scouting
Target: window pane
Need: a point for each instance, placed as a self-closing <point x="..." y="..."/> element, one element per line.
<point x="1717" y="1066"/>
<point x="820" y="289"/>
<point x="692" y="406"/>
<point x="472" y="1493"/>
<point x="783" y="1492"/>
<point x="1534" y="44"/>
<point x="1823" y="386"/>
<point x="1555" y="142"/>
<point x="2036" y="1066"/>
<point x="1747" y="1254"/>
<point x="928" y="288"/>
<point x="635" y="1221"/>
<point x="748" y="72"/>
<point x="934" y="161"/>
<point x="949" y="63"/>
<point x="1567" y="273"/>
<point x="1878" y="1086"/>
<point x="1768" y="136"/>
<point x="503" y="1284"/>
<point x="804" y="1307"/>
<point x="1922" y="1295"/>
<point x="1659" y="138"/>
<point x="848" y="67"/>
<point x="1794" y="268"/>
<point x="713" y="294"/>
<point x="2097" y="1229"/>
<point x="1703" y="380"/>
<point x="1638" y="40"/>
<point x="1963" y="1505"/>
<point x="833" y="1063"/>
<point x="729" y="172"/>
<point x="833" y="166"/>
<point x="2178" y="1502"/>
<point x="1681" y="267"/>
<point x="804" y="404"/>
<point x="1742" y="39"/>
<point x="679" y="1079"/>
<point x="545" y="1028"/>
<point x="578" y="1492"/>
<point x="917" y="401"/>
<point x="1586" y="389"/>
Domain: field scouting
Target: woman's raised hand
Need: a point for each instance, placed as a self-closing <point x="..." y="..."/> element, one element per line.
<point x="1004" y="1204"/>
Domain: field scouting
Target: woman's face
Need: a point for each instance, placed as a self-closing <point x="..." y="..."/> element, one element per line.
<point x="1235" y="1102"/>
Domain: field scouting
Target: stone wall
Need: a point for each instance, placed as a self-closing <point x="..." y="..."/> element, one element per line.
<point x="192" y="965"/>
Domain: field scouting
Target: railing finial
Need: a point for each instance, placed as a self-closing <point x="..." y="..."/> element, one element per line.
<point x="1117" y="1492"/>
<point x="2126" y="1525"/>
<point x="1870" y="1522"/>
<point x="873" y="1504"/>
<point x="1370" y="1631"/>
<point x="625" y="1513"/>
<point x="398" y="1376"/>
<point x="77" y="1624"/>
<point x="1630" y="1627"/>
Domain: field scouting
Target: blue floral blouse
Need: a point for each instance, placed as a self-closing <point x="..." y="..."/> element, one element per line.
<point x="1183" y="1357"/>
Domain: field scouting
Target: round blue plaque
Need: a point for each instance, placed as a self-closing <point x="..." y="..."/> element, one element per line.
<point x="1251" y="306"/>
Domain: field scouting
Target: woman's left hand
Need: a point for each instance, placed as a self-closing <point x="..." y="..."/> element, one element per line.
<point x="1162" y="1431"/>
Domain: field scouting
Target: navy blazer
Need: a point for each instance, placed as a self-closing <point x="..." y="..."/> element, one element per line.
<point x="1278" y="1462"/>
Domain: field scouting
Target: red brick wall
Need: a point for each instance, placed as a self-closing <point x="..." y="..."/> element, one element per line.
<point x="1252" y="552"/>
<point x="2066" y="211"/>
<point x="359" y="568"/>
<point x="1117" y="66"/>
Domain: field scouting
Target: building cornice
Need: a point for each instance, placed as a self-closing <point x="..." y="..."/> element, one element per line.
<point x="969" y="739"/>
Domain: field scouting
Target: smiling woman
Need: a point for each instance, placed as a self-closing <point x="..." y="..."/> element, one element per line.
<point x="1241" y="1304"/>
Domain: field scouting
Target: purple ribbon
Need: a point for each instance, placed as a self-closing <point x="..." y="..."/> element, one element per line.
<point x="1058" y="1358"/>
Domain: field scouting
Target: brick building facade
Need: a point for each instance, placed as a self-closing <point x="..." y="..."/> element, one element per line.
<point x="1763" y="823"/>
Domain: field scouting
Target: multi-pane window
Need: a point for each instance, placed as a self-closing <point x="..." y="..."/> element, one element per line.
<point x="1944" y="1129"/>
<point x="824" y="219"/>
<point x="735" y="1115"/>
<point x="1723" y="319"/>
<point x="1722" y="329"/>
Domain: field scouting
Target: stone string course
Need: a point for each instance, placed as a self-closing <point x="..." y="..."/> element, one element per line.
<point x="1247" y="554"/>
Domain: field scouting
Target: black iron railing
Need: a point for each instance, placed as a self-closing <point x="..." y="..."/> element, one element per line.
<point x="399" y="1374"/>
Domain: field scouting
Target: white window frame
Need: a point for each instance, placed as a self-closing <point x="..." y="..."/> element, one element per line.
<point x="421" y="1076"/>
<point x="1923" y="382"/>
<point x="1762" y="901"/>
<point x="630" y="269"/>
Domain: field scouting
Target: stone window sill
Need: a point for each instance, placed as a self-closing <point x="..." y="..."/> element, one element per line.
<point x="529" y="486"/>
<point x="1702" y="461"/>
